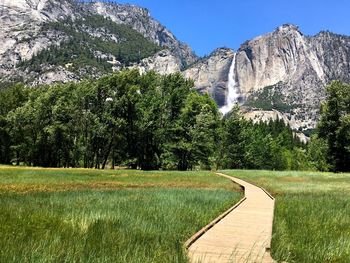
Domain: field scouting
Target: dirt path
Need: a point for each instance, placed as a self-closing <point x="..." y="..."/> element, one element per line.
<point x="243" y="235"/>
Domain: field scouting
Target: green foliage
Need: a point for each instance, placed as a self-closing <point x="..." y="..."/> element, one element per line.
<point x="81" y="46"/>
<point x="147" y="121"/>
<point x="271" y="145"/>
<point x="270" y="98"/>
<point x="232" y="150"/>
<point x="334" y="126"/>
<point x="139" y="121"/>
<point x="317" y="153"/>
<point x="10" y="99"/>
<point x="193" y="134"/>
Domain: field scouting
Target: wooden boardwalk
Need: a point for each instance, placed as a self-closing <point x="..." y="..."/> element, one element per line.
<point x="243" y="235"/>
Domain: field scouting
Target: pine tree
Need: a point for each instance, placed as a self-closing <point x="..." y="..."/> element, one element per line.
<point x="334" y="126"/>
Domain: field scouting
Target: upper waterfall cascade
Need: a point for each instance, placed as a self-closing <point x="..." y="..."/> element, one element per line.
<point x="232" y="97"/>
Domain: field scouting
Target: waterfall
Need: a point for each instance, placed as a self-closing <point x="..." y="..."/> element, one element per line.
<point x="232" y="97"/>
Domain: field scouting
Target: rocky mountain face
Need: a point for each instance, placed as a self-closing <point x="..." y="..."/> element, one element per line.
<point x="164" y="62"/>
<point x="20" y="35"/>
<point x="280" y="74"/>
<point x="294" y="69"/>
<point x="211" y="74"/>
<point x="285" y="71"/>
<point x="29" y="27"/>
<point x="140" y="19"/>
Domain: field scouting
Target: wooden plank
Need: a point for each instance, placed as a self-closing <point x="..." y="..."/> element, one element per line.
<point x="241" y="234"/>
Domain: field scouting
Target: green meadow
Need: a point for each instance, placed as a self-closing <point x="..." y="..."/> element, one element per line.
<point x="56" y="215"/>
<point x="78" y="215"/>
<point x="312" y="214"/>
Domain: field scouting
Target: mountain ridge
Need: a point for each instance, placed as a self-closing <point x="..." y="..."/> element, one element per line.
<point x="23" y="37"/>
<point x="282" y="70"/>
<point x="288" y="71"/>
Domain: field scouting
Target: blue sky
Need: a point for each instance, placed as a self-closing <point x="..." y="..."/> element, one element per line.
<point x="209" y="24"/>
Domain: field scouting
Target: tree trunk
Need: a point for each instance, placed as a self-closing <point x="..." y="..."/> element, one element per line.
<point x="17" y="158"/>
<point x="113" y="160"/>
<point x="107" y="154"/>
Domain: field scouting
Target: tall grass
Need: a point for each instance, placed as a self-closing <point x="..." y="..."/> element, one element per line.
<point x="98" y="225"/>
<point x="312" y="215"/>
<point x="17" y="179"/>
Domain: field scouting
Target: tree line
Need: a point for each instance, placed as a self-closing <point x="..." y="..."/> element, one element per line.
<point x="154" y="122"/>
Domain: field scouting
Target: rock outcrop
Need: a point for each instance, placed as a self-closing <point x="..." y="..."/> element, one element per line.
<point x="141" y="20"/>
<point x="24" y="33"/>
<point x="281" y="56"/>
<point x="302" y="65"/>
<point x="164" y="62"/>
<point x="284" y="71"/>
<point x="211" y="74"/>
<point x="20" y="34"/>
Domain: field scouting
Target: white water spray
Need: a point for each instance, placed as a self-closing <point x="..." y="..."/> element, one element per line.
<point x="233" y="95"/>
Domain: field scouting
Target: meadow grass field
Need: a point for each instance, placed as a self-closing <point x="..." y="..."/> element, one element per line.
<point x="76" y="215"/>
<point x="312" y="214"/>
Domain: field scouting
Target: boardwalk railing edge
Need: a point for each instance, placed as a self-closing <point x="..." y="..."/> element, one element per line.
<point x="201" y="232"/>
<point x="266" y="192"/>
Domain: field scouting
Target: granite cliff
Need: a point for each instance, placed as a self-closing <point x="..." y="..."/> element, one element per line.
<point x="33" y="30"/>
<point x="280" y="74"/>
<point x="284" y="71"/>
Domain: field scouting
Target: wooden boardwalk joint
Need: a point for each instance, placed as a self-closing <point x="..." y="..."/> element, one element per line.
<point x="241" y="234"/>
